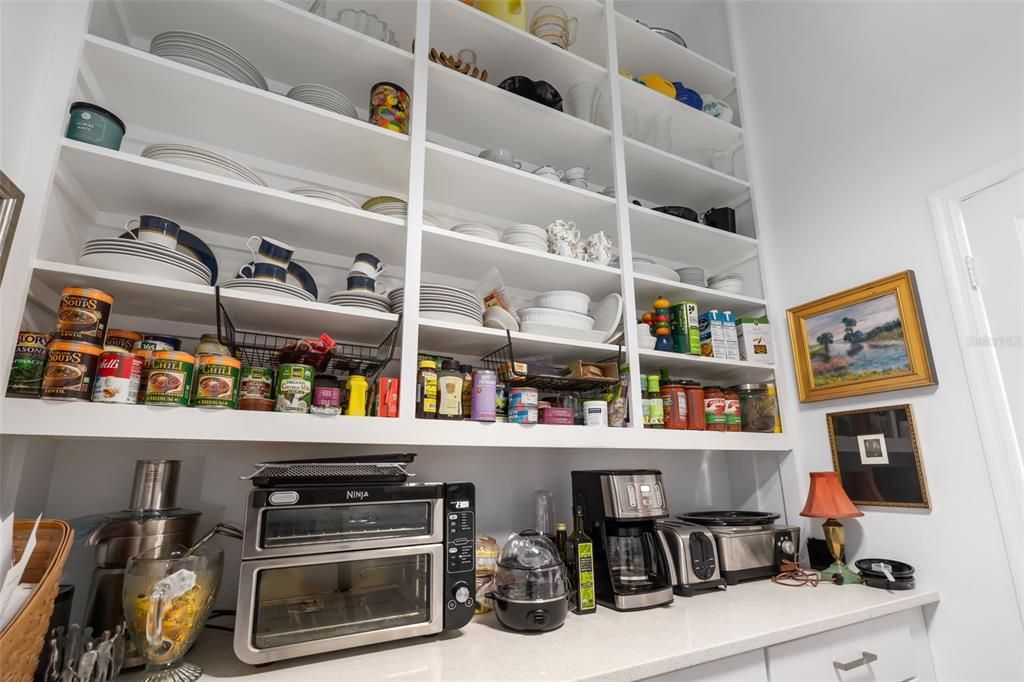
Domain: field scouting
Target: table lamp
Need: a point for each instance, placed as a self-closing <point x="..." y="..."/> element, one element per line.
<point x="827" y="500"/>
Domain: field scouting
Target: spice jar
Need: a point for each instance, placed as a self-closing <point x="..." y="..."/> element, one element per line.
<point x="714" y="409"/>
<point x="694" y="406"/>
<point x="757" y="407"/>
<point x="326" y="395"/>
<point x="209" y="344"/>
<point x="449" y="391"/>
<point x="732" y="410"/>
<point x="673" y="397"/>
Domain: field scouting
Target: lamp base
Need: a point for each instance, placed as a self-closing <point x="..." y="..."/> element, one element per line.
<point x="841" y="569"/>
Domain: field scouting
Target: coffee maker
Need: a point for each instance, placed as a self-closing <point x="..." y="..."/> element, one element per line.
<point x="632" y="565"/>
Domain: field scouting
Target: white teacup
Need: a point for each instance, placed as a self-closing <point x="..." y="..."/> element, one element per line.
<point x="576" y="173"/>
<point x="549" y="172"/>
<point x="502" y="156"/>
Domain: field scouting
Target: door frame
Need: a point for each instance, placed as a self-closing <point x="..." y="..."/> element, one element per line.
<point x="991" y="410"/>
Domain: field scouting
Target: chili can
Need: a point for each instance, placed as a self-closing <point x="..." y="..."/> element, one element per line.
<point x="294" y="389"/>
<point x="121" y="340"/>
<point x="70" y="368"/>
<point x="118" y="375"/>
<point x="170" y="378"/>
<point x="83" y="315"/>
<point x="217" y="381"/>
<point x="26" y="378"/>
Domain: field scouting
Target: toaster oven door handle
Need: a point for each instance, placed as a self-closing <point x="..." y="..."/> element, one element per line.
<point x="866" y="657"/>
<point x="669" y="561"/>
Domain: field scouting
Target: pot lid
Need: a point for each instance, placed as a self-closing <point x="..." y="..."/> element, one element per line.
<point x="730" y="518"/>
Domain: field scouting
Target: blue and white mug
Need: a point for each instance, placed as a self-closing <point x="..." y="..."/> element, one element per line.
<point x="366" y="264"/>
<point x="155" y="230"/>
<point x="265" y="271"/>
<point x="267" y="250"/>
<point x="361" y="283"/>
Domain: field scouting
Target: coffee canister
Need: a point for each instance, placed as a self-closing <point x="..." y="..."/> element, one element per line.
<point x="117" y="378"/>
<point x="83" y="315"/>
<point x="217" y="381"/>
<point x="121" y="339"/>
<point x="29" y="364"/>
<point x="70" y="368"/>
<point x="595" y="413"/>
<point x="170" y="378"/>
<point x="294" y="389"/>
<point x="389" y="107"/>
<point x="483" y="404"/>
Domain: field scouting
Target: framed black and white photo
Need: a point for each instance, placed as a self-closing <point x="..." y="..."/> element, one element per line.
<point x="875" y="452"/>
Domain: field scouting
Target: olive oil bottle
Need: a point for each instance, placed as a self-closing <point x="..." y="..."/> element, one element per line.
<point x="582" y="548"/>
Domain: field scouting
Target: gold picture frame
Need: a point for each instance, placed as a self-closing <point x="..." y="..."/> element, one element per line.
<point x="876" y="454"/>
<point x="11" y="199"/>
<point x="868" y="339"/>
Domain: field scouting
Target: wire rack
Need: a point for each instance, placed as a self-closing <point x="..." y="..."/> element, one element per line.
<point x="256" y="349"/>
<point x="505" y="357"/>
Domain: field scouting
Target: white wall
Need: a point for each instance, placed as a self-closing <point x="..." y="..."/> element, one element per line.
<point x="854" y="112"/>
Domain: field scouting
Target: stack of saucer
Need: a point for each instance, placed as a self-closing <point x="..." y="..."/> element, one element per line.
<point x="142" y="258"/>
<point x="440" y="302"/>
<point x="323" y="97"/>
<point x="324" y="194"/>
<point x="477" y="230"/>
<point x="526" y="236"/>
<point x="729" y="282"/>
<point x="268" y="287"/>
<point x="368" y="300"/>
<point x="206" y="54"/>
<point x="395" y="207"/>
<point x="691" y="275"/>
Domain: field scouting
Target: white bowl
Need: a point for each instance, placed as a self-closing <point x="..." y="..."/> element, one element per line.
<point x="557" y="318"/>
<point x="572" y="301"/>
<point x="730" y="286"/>
<point x="655" y="270"/>
<point x="499" y="318"/>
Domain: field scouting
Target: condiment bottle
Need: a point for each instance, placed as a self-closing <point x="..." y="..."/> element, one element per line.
<point x="714" y="409"/>
<point x="695" y="419"/>
<point x="467" y="390"/>
<point x="733" y="421"/>
<point x="673" y="398"/>
<point x="582" y="550"/>
<point x="449" y="391"/>
<point x="778" y="415"/>
<point x="645" y="400"/>
<point x="356" y="387"/>
<point x="326" y="395"/>
<point x="426" y="390"/>
<point x="562" y="543"/>
<point x="657" y="407"/>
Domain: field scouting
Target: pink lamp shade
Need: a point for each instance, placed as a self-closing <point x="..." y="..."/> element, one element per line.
<point x="827" y="499"/>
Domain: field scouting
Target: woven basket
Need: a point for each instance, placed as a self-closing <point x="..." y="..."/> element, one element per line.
<point x="21" y="642"/>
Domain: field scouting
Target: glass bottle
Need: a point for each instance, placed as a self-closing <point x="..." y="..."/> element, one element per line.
<point x="582" y="550"/>
<point x="467" y="390"/>
<point x="449" y="391"/>
<point x="562" y="542"/>
<point x="657" y="406"/>
<point x="645" y="401"/>
<point x="426" y="390"/>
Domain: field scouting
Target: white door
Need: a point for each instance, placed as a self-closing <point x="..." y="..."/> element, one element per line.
<point x="994" y="226"/>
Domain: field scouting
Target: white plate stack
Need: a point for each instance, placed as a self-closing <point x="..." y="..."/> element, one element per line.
<point x="202" y="160"/>
<point x="396" y="208"/>
<point x="207" y="54"/>
<point x="269" y="288"/>
<point x="729" y="282"/>
<point x="323" y="97"/>
<point x="692" y="276"/>
<point x="440" y="302"/>
<point x="477" y="230"/>
<point x="368" y="300"/>
<point x="526" y="236"/>
<point x="324" y="194"/>
<point x="141" y="258"/>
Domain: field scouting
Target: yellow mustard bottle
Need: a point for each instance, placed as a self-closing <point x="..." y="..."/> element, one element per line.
<point x="357" y="388"/>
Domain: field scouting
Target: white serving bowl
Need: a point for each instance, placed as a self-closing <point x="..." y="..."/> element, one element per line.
<point x="729" y="286"/>
<point x="499" y="318"/>
<point x="557" y="318"/>
<point x="572" y="301"/>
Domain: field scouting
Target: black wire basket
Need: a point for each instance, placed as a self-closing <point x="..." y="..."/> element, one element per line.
<point x="256" y="349"/>
<point x="503" y="362"/>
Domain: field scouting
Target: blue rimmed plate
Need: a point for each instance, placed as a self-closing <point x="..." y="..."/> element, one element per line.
<point x="191" y="245"/>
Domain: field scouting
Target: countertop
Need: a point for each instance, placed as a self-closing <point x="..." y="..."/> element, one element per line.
<point x="608" y="645"/>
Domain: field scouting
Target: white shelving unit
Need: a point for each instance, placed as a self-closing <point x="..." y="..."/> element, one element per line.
<point x="435" y="168"/>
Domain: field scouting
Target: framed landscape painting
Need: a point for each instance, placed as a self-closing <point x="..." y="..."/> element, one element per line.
<point x="868" y="339"/>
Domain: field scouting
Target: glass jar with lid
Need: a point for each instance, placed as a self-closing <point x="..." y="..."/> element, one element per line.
<point x="757" y="407"/>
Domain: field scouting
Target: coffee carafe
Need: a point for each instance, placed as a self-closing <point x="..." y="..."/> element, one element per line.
<point x="633" y="567"/>
<point x="151" y="523"/>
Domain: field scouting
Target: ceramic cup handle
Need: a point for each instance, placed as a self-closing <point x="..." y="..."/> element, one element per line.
<point x="571" y="27"/>
<point x="247" y="267"/>
<point x="252" y="246"/>
<point x="128" y="227"/>
<point x="517" y="163"/>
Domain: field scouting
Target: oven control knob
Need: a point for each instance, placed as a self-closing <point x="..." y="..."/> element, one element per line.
<point x="787" y="546"/>
<point x="462" y="594"/>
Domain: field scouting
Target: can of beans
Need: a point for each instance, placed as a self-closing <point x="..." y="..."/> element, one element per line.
<point x="294" y="389"/>
<point x="217" y="381"/>
<point x="256" y="382"/>
<point x="145" y="349"/>
<point x="170" y="378"/>
<point x="165" y="342"/>
<point x="121" y="339"/>
<point x="70" y="368"/>
<point x="117" y="378"/>
<point x="83" y="315"/>
<point x="26" y="378"/>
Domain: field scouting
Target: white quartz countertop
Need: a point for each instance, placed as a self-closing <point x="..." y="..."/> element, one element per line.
<point x="608" y="645"/>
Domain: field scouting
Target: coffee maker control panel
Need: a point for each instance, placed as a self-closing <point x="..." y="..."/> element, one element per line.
<point x="635" y="496"/>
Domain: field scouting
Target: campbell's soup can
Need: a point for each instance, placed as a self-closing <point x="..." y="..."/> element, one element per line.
<point x="83" y="315"/>
<point x="70" y="368"/>
<point x="117" y="378"/>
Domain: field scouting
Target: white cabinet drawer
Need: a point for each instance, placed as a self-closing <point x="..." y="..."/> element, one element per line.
<point x="886" y="644"/>
<point x="748" y="667"/>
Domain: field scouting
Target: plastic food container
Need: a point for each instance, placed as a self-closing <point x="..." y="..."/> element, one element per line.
<point x="557" y="415"/>
<point x="95" y="125"/>
<point x="595" y="413"/>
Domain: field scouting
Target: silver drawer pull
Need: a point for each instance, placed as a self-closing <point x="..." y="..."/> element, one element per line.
<point x="865" y="658"/>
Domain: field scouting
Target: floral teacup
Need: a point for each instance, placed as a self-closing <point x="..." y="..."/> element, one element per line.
<point x="598" y="248"/>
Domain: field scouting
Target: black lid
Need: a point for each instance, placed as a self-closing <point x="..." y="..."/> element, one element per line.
<point x="105" y="112"/>
<point x="466" y="368"/>
<point x="358" y="372"/>
<point x="326" y="378"/>
<point x="450" y="364"/>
